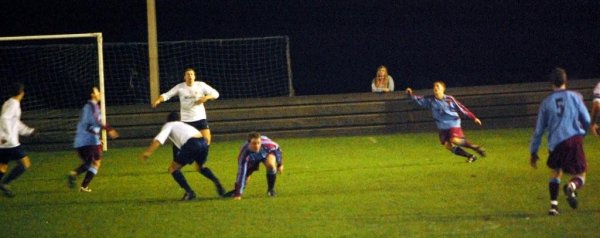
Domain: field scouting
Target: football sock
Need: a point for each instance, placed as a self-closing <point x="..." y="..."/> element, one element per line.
<point x="271" y="176"/>
<point x="467" y="144"/>
<point x="579" y="181"/>
<point x="79" y="170"/>
<point x="180" y="179"/>
<point x="553" y="188"/>
<point x="206" y="172"/>
<point x="459" y="151"/>
<point x="14" y="173"/>
<point x="91" y="172"/>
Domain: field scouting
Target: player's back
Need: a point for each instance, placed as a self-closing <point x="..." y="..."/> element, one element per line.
<point x="565" y="112"/>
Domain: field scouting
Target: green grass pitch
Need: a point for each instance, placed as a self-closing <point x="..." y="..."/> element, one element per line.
<point x="402" y="185"/>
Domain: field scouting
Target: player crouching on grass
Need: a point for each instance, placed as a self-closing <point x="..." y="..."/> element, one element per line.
<point x="87" y="141"/>
<point x="445" y="109"/>
<point x="258" y="149"/>
<point x="192" y="148"/>
<point x="10" y="148"/>
<point x="565" y="116"/>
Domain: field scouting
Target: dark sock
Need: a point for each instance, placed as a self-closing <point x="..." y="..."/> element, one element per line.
<point x="271" y="176"/>
<point x="79" y="170"/>
<point x="88" y="178"/>
<point x="578" y="181"/>
<point x="468" y="144"/>
<point x="553" y="187"/>
<point x="459" y="151"/>
<point x="14" y="173"/>
<point x="180" y="179"/>
<point x="206" y="172"/>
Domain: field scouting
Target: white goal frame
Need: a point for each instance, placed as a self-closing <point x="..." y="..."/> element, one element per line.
<point x="98" y="36"/>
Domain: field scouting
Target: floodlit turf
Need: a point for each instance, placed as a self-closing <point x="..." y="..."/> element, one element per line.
<point x="403" y="185"/>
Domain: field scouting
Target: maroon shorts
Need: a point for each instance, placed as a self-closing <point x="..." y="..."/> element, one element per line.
<point x="90" y="153"/>
<point x="446" y="135"/>
<point x="568" y="156"/>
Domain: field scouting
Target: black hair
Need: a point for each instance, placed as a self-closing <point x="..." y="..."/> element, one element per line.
<point x="16" y="89"/>
<point x="558" y="77"/>
<point x="253" y="135"/>
<point x="173" y="116"/>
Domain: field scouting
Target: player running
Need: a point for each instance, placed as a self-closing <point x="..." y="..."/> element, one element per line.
<point x="10" y="147"/>
<point x="87" y="141"/>
<point x="445" y="110"/>
<point x="258" y="149"/>
<point x="564" y="115"/>
<point x="192" y="147"/>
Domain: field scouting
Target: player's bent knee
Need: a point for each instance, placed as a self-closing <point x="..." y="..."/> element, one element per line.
<point x="26" y="162"/>
<point x="3" y="168"/>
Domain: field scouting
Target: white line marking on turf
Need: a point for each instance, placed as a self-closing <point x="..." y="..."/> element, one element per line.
<point x="372" y="139"/>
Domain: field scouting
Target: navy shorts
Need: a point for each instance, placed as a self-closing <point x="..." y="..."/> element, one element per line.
<point x="200" y="124"/>
<point x="568" y="156"/>
<point x="90" y="153"/>
<point x="8" y="154"/>
<point x="195" y="149"/>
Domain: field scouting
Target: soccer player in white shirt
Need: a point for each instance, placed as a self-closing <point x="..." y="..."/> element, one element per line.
<point x="192" y="96"/>
<point x="596" y="110"/>
<point x="192" y="148"/>
<point x="10" y="148"/>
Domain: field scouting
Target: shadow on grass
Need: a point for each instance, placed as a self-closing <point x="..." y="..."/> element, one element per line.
<point x="80" y="201"/>
<point x="126" y="174"/>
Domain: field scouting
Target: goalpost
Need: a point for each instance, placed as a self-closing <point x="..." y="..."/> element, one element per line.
<point x="100" y="66"/>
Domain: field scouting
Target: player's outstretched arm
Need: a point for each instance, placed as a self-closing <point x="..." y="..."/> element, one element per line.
<point x="150" y="150"/>
<point x="113" y="134"/>
<point x="157" y="101"/>
<point x="477" y="121"/>
<point x="533" y="160"/>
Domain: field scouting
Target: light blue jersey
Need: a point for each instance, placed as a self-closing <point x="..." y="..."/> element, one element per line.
<point x="89" y="126"/>
<point x="564" y="114"/>
<point x="444" y="111"/>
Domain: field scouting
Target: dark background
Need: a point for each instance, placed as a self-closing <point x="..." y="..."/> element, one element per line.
<point x="336" y="46"/>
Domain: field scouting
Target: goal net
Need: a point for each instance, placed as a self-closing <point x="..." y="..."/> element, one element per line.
<point x="237" y="68"/>
<point x="59" y="70"/>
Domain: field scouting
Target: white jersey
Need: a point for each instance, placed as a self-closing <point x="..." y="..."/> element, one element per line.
<point x="178" y="132"/>
<point x="597" y="93"/>
<point x="10" y="124"/>
<point x="190" y="111"/>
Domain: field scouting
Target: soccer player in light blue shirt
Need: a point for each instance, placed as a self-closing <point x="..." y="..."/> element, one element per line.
<point x="87" y="141"/>
<point x="564" y="115"/>
<point x="445" y="110"/>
